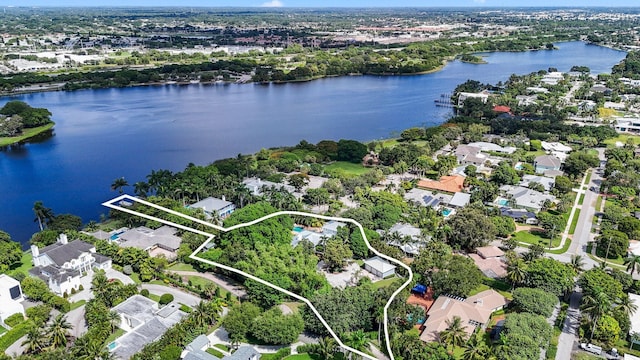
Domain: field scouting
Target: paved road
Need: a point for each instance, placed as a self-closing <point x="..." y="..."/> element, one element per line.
<point x="223" y="282"/>
<point x="568" y="336"/>
<point x="178" y="295"/>
<point x="75" y="317"/>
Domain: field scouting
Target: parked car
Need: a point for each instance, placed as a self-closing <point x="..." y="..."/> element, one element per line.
<point x="591" y="348"/>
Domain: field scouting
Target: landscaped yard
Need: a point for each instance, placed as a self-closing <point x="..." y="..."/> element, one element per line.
<point x="384" y="282"/>
<point x="27" y="133"/>
<point x="534" y="237"/>
<point x="347" y="168"/>
<point x="574" y="222"/>
<point x="116" y="334"/>
<point x="215" y="353"/>
<point x="26" y="264"/>
<point x="623" y="139"/>
<point x="178" y="266"/>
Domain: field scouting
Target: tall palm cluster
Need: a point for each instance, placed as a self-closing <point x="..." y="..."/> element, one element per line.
<point x="55" y="335"/>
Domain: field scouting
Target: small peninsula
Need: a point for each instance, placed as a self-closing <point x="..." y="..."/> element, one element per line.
<point x="19" y="121"/>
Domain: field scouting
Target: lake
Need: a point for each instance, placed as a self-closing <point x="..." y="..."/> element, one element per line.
<point x="104" y="134"/>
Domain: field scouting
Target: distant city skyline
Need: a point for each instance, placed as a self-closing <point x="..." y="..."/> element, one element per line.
<point x="324" y="3"/>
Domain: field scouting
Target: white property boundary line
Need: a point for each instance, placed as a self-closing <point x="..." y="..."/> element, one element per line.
<point x="110" y="204"/>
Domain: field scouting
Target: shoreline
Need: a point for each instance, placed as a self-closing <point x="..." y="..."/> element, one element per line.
<point x="27" y="134"/>
<point x="445" y="61"/>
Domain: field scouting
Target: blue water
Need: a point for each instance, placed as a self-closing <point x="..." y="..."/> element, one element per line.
<point x="112" y="345"/>
<point x="104" y="134"/>
<point x="503" y="202"/>
<point x="446" y="212"/>
<point x="298" y="228"/>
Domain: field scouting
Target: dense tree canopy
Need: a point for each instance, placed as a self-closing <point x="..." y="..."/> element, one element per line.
<point x="536" y="301"/>
<point x="550" y="275"/>
<point x="470" y="228"/>
<point x="458" y="276"/>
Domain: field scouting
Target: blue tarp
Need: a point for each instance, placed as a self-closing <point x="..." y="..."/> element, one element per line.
<point x="420" y="289"/>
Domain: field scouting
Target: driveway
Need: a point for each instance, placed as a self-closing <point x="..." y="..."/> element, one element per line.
<point x="178" y="295"/>
<point x="571" y="322"/>
<point x="75" y="317"/>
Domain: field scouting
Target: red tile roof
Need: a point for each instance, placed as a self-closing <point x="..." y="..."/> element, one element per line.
<point x="451" y="184"/>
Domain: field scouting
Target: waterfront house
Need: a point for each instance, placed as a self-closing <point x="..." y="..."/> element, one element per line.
<point x="62" y="263"/>
<point x="10" y="297"/>
<point x="161" y="241"/>
<point x="483" y="96"/>
<point x="474" y="312"/>
<point x="257" y="186"/>
<point x="544" y="163"/>
<point x="214" y="207"/>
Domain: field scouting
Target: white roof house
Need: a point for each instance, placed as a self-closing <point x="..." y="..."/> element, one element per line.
<point x="256" y="185"/>
<point x="487" y="146"/>
<point x="547" y="182"/>
<point x="635" y="317"/>
<point x="10" y="297"/>
<point x="312" y="236"/>
<point x="460" y="200"/>
<point x="379" y="267"/>
<point x="211" y="205"/>
<point x="406" y="230"/>
<point x="526" y="198"/>
<point x="331" y="228"/>
<point x="556" y="146"/>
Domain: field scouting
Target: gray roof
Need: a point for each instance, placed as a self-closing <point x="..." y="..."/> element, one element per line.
<point x="149" y="323"/>
<point x="211" y="204"/>
<point x="548" y="161"/>
<point x="427" y="198"/>
<point x="198" y="343"/>
<point x="406" y="230"/>
<point x="101" y="259"/>
<point x="460" y="199"/>
<point x="243" y="353"/>
<point x="547" y="182"/>
<point x="314" y="237"/>
<point x="528" y="198"/>
<point x="144" y="238"/>
<point x="62" y="253"/>
<point x="53" y="272"/>
<point x="332" y="226"/>
<point x="517" y="213"/>
<point x="256" y="185"/>
<point x="199" y="355"/>
<point x="102" y="235"/>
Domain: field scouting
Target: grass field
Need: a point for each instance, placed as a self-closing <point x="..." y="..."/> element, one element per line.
<point x="534" y="237"/>
<point x="181" y="267"/>
<point x="581" y="200"/>
<point x="347" y="168"/>
<point x="384" y="282"/>
<point x="26" y="134"/>
<point x="25" y="263"/>
<point x="116" y="334"/>
<point x="623" y="139"/>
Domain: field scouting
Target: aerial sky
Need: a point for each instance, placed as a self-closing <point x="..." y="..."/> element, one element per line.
<point x="323" y="3"/>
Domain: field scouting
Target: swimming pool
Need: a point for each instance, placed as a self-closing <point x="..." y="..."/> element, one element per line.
<point x="503" y="202"/>
<point x="447" y="211"/>
<point x="112" y="345"/>
<point x="298" y="228"/>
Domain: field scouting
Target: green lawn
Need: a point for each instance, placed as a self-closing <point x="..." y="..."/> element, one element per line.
<point x="623" y="139"/>
<point x="26" y="134"/>
<point x="197" y="280"/>
<point x="77" y="304"/>
<point x="181" y="267"/>
<point x="574" y="222"/>
<point x="116" y="334"/>
<point x="347" y="168"/>
<point x="222" y="347"/>
<point x="581" y="200"/>
<point x="598" y="203"/>
<point x="601" y="254"/>
<point x="534" y="237"/>
<point x="25" y="263"/>
<point x="589" y="173"/>
<point x="215" y="353"/>
<point x="384" y="283"/>
<point x="294" y="305"/>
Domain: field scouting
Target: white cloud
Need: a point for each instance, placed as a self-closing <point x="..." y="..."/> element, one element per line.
<point x="273" y="3"/>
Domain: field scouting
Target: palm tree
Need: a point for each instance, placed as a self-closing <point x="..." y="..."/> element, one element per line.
<point x="57" y="331"/>
<point x="626" y="305"/>
<point x="205" y="313"/>
<point x="477" y="349"/>
<point x="633" y="264"/>
<point x="35" y="341"/>
<point x="358" y="340"/>
<point x="326" y="348"/>
<point x="141" y="188"/>
<point x="596" y="305"/>
<point x="516" y="272"/>
<point x="118" y="184"/>
<point x="114" y="319"/>
<point x="454" y="334"/>
<point x="43" y="214"/>
<point x="577" y="263"/>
